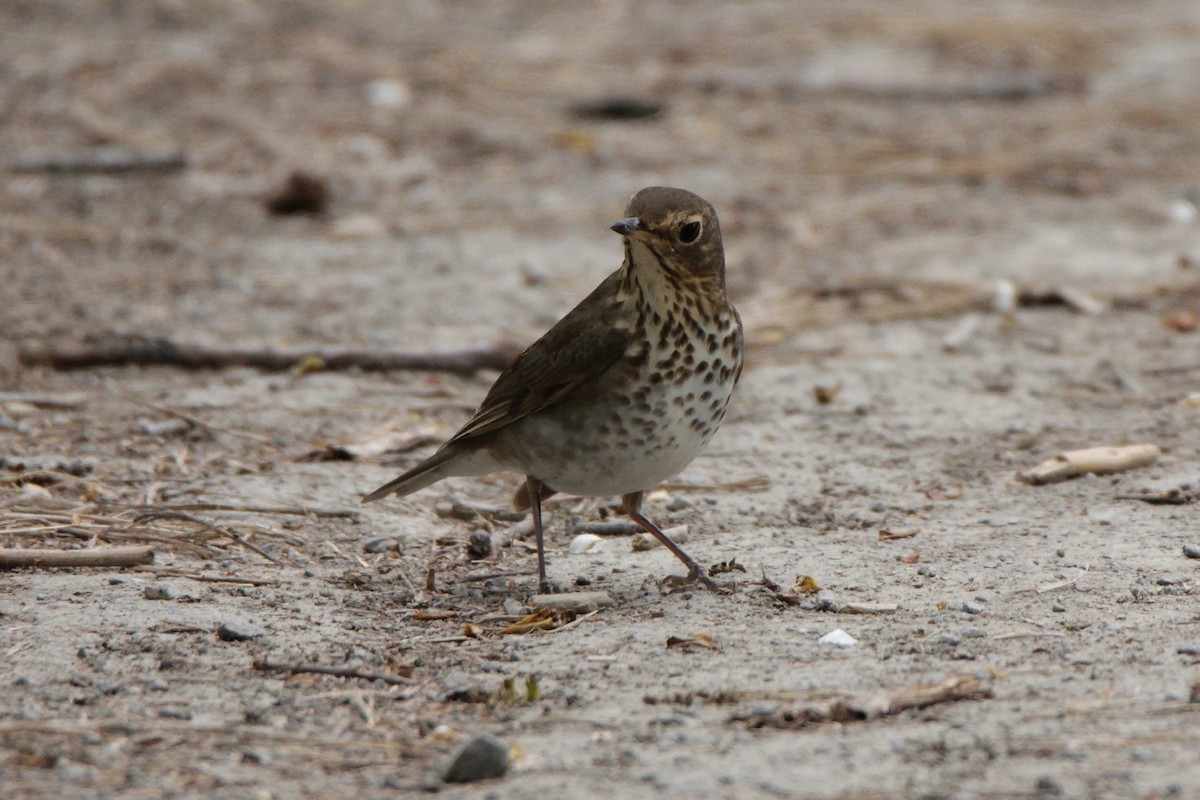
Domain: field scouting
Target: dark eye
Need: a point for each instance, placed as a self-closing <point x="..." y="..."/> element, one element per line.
<point x="689" y="232"/>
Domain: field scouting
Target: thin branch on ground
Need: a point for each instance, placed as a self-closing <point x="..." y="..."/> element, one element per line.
<point x="863" y="708"/>
<point x="214" y="430"/>
<point x="102" y="161"/>
<point x="265" y="665"/>
<point x="305" y="511"/>
<point x="206" y="526"/>
<point x="170" y="572"/>
<point x="165" y="352"/>
<point x="11" y="558"/>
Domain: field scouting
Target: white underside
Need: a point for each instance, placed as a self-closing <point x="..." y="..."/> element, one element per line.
<point x="617" y="462"/>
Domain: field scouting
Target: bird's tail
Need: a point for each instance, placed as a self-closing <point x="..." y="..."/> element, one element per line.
<point x="450" y="461"/>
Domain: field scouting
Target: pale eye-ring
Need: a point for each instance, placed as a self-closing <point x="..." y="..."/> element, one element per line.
<point x="689" y="231"/>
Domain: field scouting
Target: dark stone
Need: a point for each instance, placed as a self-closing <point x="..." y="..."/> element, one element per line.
<point x="481" y="757"/>
<point x="479" y="545"/>
<point x="235" y="632"/>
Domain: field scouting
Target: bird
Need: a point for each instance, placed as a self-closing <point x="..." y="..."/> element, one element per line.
<point x="624" y="391"/>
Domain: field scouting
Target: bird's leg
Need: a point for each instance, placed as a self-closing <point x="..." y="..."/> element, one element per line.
<point x="520" y="500"/>
<point x="534" y="487"/>
<point x="632" y="503"/>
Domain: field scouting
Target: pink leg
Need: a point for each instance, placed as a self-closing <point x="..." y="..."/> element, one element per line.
<point x="632" y="504"/>
<point x="535" y="506"/>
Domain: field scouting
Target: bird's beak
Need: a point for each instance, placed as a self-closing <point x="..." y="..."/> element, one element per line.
<point x="628" y="226"/>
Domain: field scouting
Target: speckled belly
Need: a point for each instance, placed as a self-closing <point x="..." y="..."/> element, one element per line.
<point x="629" y="431"/>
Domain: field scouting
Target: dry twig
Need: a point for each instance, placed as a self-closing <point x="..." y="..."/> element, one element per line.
<point x="102" y="161"/>
<point x="306" y="511"/>
<point x="213" y="430"/>
<point x="206" y="527"/>
<point x="100" y="557"/>
<point x="1053" y="587"/>
<point x="194" y="576"/>
<point x="867" y="707"/>
<point x="1170" y="497"/>
<point x="164" y="352"/>
<point x="265" y="665"/>
<point x="1096" y="460"/>
<point x="61" y="400"/>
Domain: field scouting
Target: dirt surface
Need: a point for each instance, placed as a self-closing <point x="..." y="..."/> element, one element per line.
<point x="889" y="176"/>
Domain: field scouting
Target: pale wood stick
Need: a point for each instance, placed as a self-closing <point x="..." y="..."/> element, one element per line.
<point x="100" y="557"/>
<point x="1096" y="460"/>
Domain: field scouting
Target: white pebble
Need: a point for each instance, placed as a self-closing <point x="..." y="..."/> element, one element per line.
<point x="838" y="638"/>
<point x="585" y="543"/>
<point x="358" y="226"/>
<point x="1004" y="296"/>
<point x="657" y="497"/>
<point x="388" y="93"/>
<point x="1184" y="211"/>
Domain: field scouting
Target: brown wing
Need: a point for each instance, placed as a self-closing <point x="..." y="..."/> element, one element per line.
<point x="578" y="349"/>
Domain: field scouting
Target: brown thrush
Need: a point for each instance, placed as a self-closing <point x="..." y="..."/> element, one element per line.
<point x="624" y="391"/>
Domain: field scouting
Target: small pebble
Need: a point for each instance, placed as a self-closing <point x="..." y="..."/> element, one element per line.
<point x="645" y="541"/>
<point x="585" y="543"/>
<point x="381" y="544"/>
<point x="838" y="638"/>
<point x="479" y="545"/>
<point x="1058" y="606"/>
<point x="156" y="591"/>
<point x="69" y="772"/>
<point x="949" y="638"/>
<point x="387" y="93"/>
<point x="1046" y="785"/>
<point x="972" y="608"/>
<point x="1191" y="551"/>
<point x="1188" y="650"/>
<point x="764" y="709"/>
<point x="235" y="632"/>
<point x="679" y="504"/>
<point x="974" y="633"/>
<point x="170" y="661"/>
<point x="163" y="428"/>
<point x="926" y="570"/>
<point x="514" y="607"/>
<point x="481" y="757"/>
<point x="174" y="712"/>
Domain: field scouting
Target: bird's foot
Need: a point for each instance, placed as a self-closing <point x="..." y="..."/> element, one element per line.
<point x="696" y="576"/>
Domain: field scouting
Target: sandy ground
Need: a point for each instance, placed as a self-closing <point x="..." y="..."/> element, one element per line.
<point x="884" y="172"/>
